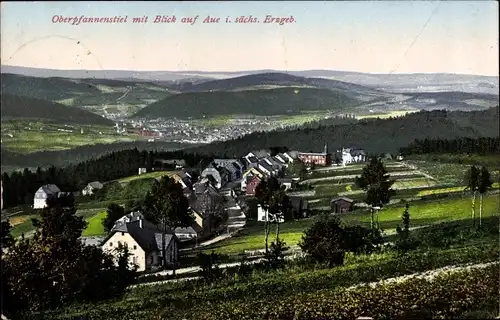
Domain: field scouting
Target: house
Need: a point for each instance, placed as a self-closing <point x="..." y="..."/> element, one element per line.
<point x="341" y="205"/>
<point x="184" y="178"/>
<point x="44" y="192"/>
<point x="144" y="244"/>
<point x="142" y="170"/>
<point x="321" y="159"/>
<point x="400" y="158"/>
<point x="193" y="231"/>
<point x="252" y="184"/>
<point x="291" y="156"/>
<point x="234" y="166"/>
<point x="218" y="173"/>
<point x="91" y="188"/>
<point x="282" y="159"/>
<point x="208" y="203"/>
<point x="349" y="156"/>
<point x="266" y="168"/>
<point x="263" y="215"/>
<point x="252" y="171"/>
<point x="259" y="154"/>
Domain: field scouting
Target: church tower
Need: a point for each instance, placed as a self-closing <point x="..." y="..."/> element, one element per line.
<point x="325" y="149"/>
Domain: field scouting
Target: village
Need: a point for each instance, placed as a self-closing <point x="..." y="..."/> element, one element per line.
<point x="218" y="199"/>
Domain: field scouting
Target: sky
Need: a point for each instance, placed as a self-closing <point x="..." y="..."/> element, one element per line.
<point x="361" y="36"/>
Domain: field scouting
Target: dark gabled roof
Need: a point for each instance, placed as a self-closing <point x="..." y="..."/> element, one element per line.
<point x="342" y="198"/>
<point x="266" y="165"/>
<point x="147" y="238"/>
<point x="50" y="189"/>
<point x="261" y="153"/>
<point x="253" y="159"/>
<point x="237" y="166"/>
<point x="358" y="152"/>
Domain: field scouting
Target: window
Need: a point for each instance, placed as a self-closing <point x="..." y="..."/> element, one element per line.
<point x="134" y="259"/>
<point x="111" y="244"/>
<point x="123" y="233"/>
<point x="135" y="247"/>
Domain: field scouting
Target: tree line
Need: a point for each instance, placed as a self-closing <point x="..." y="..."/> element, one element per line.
<point x="481" y="146"/>
<point x="19" y="187"/>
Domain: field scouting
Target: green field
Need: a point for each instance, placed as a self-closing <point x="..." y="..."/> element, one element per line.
<point x="95" y="227"/>
<point x="27" y="137"/>
<point x="422" y="213"/>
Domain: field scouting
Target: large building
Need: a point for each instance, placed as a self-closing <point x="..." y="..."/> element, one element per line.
<point x="320" y="159"/>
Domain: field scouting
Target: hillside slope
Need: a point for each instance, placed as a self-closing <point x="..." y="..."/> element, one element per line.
<point x="285" y="80"/>
<point x="374" y="135"/>
<point x="18" y="107"/>
<point x="253" y="102"/>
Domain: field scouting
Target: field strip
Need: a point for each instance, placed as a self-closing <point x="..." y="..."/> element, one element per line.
<point x="427" y="275"/>
<point x="394" y="174"/>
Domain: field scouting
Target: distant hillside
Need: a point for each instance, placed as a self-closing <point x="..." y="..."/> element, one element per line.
<point x="253" y="102"/>
<point x="453" y="100"/>
<point x="101" y="96"/>
<point x="18" y="107"/>
<point x="52" y="89"/>
<point x="281" y="79"/>
<point x="374" y="135"/>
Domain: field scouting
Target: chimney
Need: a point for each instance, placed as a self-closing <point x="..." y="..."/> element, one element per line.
<point x="140" y="223"/>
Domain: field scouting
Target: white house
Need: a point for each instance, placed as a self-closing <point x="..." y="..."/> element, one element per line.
<point x="291" y="156"/>
<point x="91" y="188"/>
<point x="44" y="192"/>
<point x="144" y="244"/>
<point x="262" y="215"/>
<point x="352" y="156"/>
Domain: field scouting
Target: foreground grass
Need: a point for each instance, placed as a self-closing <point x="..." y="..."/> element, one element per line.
<point x="189" y="299"/>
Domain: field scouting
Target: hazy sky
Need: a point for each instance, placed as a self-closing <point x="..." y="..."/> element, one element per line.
<point x="364" y="36"/>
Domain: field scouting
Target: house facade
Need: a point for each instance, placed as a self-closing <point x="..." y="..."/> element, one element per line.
<point x="352" y="156"/>
<point x="252" y="185"/>
<point x="43" y="193"/>
<point x="320" y="159"/>
<point x="341" y="205"/>
<point x="252" y="171"/>
<point x="144" y="244"/>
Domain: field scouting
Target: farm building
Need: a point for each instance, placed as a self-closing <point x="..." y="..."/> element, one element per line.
<point x="43" y="193"/>
<point x="341" y="205"/>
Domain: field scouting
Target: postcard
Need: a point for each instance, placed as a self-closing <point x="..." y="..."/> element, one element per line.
<point x="249" y="160"/>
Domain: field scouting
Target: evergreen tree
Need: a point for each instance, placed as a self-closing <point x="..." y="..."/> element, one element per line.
<point x="375" y="181"/>
<point x="113" y="213"/>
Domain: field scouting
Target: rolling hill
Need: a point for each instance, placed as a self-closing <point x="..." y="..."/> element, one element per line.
<point x="374" y="135"/>
<point x="19" y="107"/>
<point x="101" y="96"/>
<point x="264" y="102"/>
